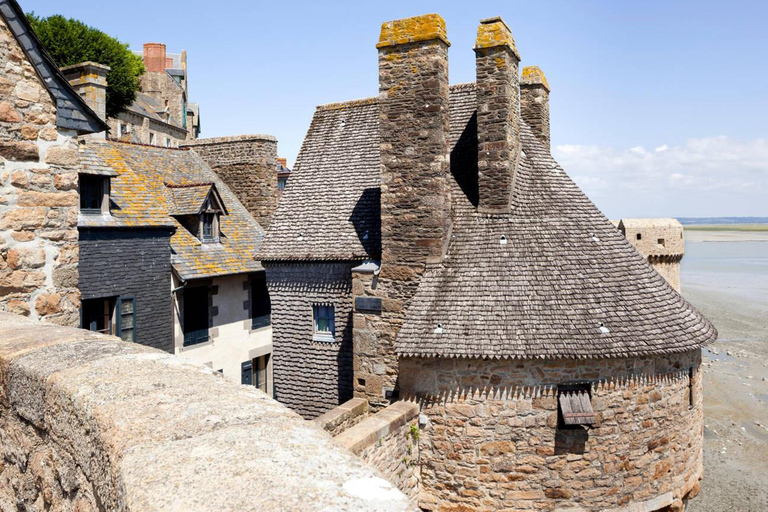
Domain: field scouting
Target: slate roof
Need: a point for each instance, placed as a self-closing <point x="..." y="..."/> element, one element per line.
<point x="141" y="197"/>
<point x="566" y="284"/>
<point x="72" y="111"/>
<point x="147" y="106"/>
<point x="189" y="199"/>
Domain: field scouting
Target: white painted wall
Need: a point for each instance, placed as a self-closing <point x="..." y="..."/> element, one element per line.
<point x="232" y="340"/>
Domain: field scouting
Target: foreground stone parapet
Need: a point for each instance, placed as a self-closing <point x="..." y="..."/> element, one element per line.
<point x="90" y="422"/>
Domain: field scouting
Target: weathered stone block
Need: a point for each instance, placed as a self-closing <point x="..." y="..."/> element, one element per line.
<point x="19" y="151"/>
<point x="8" y="114"/>
<point x="63" y="156"/>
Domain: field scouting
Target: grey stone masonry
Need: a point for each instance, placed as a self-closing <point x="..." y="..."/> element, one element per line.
<point x="89" y="422"/>
<point x="247" y="165"/>
<point x="534" y="102"/>
<point x="498" y="118"/>
<point x="311" y="376"/>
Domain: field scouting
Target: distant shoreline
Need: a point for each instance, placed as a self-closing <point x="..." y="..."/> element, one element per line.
<point x="726" y="233"/>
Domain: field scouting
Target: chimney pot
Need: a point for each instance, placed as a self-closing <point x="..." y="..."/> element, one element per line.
<point x="534" y="102"/>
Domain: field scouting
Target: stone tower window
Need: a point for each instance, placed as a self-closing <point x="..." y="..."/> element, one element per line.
<point x="639" y="236"/>
<point x="660" y="241"/>
<point x="575" y="404"/>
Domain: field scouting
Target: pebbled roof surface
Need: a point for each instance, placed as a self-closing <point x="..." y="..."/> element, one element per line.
<point x="141" y="198"/>
<point x="566" y="284"/>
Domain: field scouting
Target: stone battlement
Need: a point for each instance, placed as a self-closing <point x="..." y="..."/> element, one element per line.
<point x="91" y="422"/>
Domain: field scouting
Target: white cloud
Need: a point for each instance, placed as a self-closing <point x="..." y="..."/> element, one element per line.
<point x="708" y="176"/>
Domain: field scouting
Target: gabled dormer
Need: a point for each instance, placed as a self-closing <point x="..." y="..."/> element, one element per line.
<point x="198" y="207"/>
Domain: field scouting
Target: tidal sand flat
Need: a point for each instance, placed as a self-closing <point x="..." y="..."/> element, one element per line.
<point x="725" y="275"/>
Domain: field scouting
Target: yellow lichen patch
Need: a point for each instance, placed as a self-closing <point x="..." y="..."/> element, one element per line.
<point x="493" y="32"/>
<point x="500" y="63"/>
<point x="411" y="30"/>
<point x="533" y="75"/>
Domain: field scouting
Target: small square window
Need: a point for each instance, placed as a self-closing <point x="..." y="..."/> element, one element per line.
<point x="639" y="236"/>
<point x="575" y="405"/>
<point x="92" y="192"/>
<point x="325" y="322"/>
<point x="660" y="241"/>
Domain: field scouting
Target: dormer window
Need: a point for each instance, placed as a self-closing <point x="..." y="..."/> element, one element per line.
<point x="209" y="227"/>
<point x="198" y="207"/>
<point x="94" y="194"/>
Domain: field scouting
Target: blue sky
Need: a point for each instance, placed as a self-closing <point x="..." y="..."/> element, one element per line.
<point x="659" y="108"/>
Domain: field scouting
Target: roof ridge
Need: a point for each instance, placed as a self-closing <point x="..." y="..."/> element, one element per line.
<point x="351" y="103"/>
<point x="462" y="86"/>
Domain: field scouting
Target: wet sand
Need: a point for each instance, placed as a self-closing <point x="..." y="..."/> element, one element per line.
<point x="728" y="282"/>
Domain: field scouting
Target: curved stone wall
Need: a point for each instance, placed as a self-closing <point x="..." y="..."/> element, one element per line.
<point x="492" y="438"/>
<point x="89" y="422"/>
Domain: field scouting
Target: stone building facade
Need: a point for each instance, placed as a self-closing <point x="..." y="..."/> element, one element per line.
<point x="554" y="368"/>
<point x="161" y="115"/>
<point x="41" y="117"/>
<point x="247" y="164"/>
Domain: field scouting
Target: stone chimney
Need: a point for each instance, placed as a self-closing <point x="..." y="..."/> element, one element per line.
<point x="89" y="80"/>
<point x="534" y="102"/>
<point x="498" y="107"/>
<point x="154" y="57"/>
<point x="414" y="129"/>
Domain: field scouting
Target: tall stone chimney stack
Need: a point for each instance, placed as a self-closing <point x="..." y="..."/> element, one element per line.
<point x="534" y="102"/>
<point x="89" y="80"/>
<point x="154" y="57"/>
<point x="414" y="129"/>
<point x="498" y="114"/>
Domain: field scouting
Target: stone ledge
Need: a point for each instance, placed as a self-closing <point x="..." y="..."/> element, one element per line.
<point x="145" y="430"/>
<point x="227" y="140"/>
<point x="376" y="427"/>
<point x="347" y="411"/>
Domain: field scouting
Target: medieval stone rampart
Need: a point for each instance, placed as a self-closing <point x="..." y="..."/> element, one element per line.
<point x="389" y="442"/>
<point x="248" y="165"/>
<point x="493" y="437"/>
<point x="89" y="422"/>
<point x="660" y="241"/>
<point x="343" y="417"/>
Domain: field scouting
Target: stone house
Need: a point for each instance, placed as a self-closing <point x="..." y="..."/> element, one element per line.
<point x="161" y="115"/>
<point x="41" y="117"/>
<point x="430" y="249"/>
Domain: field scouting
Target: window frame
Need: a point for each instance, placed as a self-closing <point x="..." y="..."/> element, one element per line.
<point x="119" y="317"/>
<point x="326" y="336"/>
<point x="101" y="194"/>
<point x="195" y="337"/>
<point x="265" y="318"/>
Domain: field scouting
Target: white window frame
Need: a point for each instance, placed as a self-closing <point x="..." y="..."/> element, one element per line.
<point x="320" y="335"/>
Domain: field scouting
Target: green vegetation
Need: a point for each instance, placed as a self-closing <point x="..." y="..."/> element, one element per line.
<point x="70" y="41"/>
<point x="727" y="227"/>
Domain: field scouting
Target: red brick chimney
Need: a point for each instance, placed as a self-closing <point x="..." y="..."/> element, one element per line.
<point x="498" y="114"/>
<point x="154" y="57"/>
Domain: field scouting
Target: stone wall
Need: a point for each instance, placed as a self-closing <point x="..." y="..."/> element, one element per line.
<point x="248" y="165"/>
<point x="88" y="422"/>
<point x="38" y="196"/>
<point x="164" y="88"/>
<point x="311" y="377"/>
<point x="389" y="442"/>
<point x="492" y="438"/>
<point x="144" y="273"/>
<point x="343" y="417"/>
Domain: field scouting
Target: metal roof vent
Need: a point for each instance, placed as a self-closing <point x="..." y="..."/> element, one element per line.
<point x="365" y="235"/>
<point x="604" y="329"/>
<point x="438" y="329"/>
<point x="503" y="240"/>
<point x="594" y="238"/>
<point x="300" y="237"/>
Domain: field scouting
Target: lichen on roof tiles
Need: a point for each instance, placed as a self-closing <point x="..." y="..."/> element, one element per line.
<point x="142" y="198"/>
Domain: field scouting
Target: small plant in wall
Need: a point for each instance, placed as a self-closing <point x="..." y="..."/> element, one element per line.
<point x="414" y="432"/>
